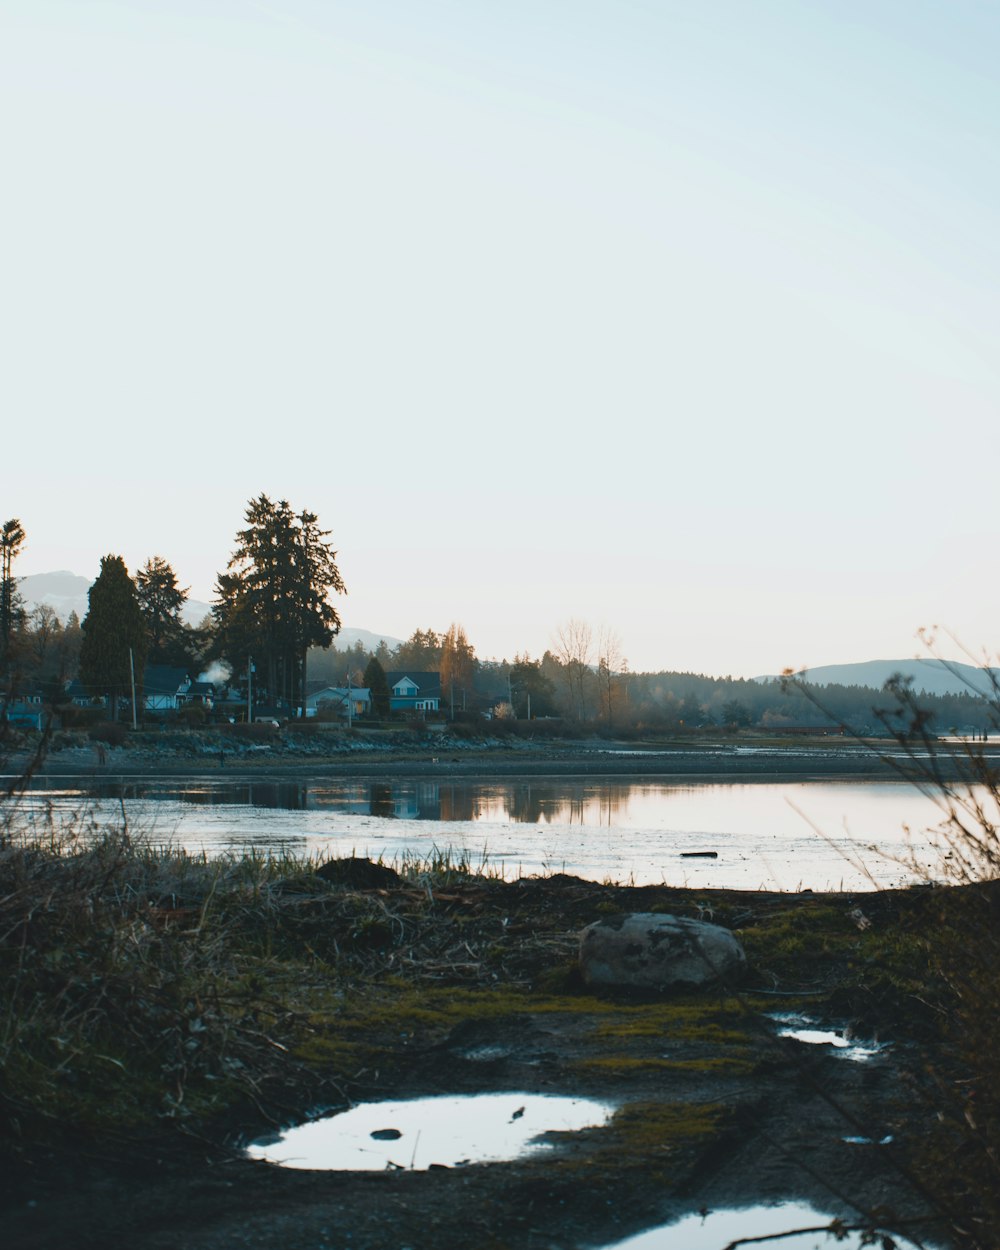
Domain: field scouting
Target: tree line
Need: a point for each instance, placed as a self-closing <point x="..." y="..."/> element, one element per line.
<point x="272" y="605"/>
<point x="273" y="622"/>
<point x="585" y="679"/>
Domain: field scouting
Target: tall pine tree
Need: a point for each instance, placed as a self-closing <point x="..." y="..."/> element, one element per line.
<point x="376" y="681"/>
<point x="112" y="629"/>
<point x="161" y="601"/>
<point x="11" y="542"/>
<point x="273" y="599"/>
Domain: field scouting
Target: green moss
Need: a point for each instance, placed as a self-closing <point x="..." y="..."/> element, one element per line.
<point x="624" y="1064"/>
<point x="662" y="1125"/>
<point x="708" y="1021"/>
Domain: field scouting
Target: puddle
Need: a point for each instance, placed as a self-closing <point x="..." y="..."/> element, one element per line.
<point x="426" y="1132"/>
<point x="719" y="1228"/>
<point x="803" y="1029"/>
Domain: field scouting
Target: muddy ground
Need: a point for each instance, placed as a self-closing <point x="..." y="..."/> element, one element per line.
<point x="282" y="754"/>
<point x="714" y="1110"/>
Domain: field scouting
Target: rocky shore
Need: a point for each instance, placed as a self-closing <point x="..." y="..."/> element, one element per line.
<point x="279" y="752"/>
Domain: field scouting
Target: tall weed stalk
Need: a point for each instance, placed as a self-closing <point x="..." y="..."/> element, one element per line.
<point x="959" y="1157"/>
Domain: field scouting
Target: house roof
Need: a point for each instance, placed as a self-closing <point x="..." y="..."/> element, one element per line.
<point x="163" y="679"/>
<point x="338" y="694"/>
<point x="428" y="684"/>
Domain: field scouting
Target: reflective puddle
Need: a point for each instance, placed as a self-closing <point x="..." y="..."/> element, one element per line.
<point x="422" y="1133"/>
<point x="719" y="1228"/>
<point x="804" y="1029"/>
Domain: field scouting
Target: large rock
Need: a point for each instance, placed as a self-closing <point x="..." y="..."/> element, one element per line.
<point x="650" y="951"/>
<point x="359" y="874"/>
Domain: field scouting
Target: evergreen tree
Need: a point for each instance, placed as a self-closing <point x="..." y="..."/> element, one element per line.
<point x="11" y="541"/>
<point x="691" y="712"/>
<point x="316" y="575"/>
<point x="272" y="602"/>
<point x="377" y="683"/>
<point x="421" y="652"/>
<point x="112" y="629"/>
<point x="70" y="643"/>
<point x="532" y="693"/>
<point x="161" y="601"/>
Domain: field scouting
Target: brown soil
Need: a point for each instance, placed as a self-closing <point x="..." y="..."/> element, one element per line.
<point x="714" y="1110"/>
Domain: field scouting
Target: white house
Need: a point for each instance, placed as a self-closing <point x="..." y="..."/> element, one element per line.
<point x="164" y="688"/>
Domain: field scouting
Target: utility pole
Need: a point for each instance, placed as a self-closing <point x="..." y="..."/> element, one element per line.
<point x="350" y="709"/>
<point x="250" y="672"/>
<point x="131" y="669"/>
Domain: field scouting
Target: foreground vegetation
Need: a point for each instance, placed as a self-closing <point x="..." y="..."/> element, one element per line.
<point x="151" y="996"/>
<point x="157" y="1005"/>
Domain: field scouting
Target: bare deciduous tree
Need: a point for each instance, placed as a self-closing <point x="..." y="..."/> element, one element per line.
<point x="458" y="661"/>
<point x="610" y="664"/>
<point x="574" y="647"/>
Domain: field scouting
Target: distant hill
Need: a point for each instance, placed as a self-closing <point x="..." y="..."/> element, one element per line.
<point x="66" y="592"/>
<point x="929" y="676"/>
<point x="349" y="637"/>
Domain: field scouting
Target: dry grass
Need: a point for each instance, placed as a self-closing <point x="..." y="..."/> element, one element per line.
<point x="143" y="987"/>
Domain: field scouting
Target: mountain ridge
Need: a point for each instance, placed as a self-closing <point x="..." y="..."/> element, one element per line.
<point x="929" y="675"/>
<point x="66" y="592"/>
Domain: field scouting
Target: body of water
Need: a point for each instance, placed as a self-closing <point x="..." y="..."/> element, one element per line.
<point x="819" y="835"/>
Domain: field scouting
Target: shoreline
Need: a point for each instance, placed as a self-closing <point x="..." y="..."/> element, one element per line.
<point x="285" y="753"/>
<point x="397" y="988"/>
<point x="681" y="764"/>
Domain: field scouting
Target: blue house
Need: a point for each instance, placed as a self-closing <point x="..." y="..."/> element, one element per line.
<point x="414" y="692"/>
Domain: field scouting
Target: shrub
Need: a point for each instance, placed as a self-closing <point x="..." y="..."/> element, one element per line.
<point x="113" y="733"/>
<point x="75" y="717"/>
<point x="192" y="715"/>
<point x="958" y="1158"/>
<point x="258" y="731"/>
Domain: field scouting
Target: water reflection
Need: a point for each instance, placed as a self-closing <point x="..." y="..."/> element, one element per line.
<point x="800" y="1028"/>
<point x="715" y="1229"/>
<point x="557" y="802"/>
<point x="422" y="1133"/>
<point x="760" y="835"/>
<point x="380" y="801"/>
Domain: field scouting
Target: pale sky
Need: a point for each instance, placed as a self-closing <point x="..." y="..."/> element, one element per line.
<point x="680" y="317"/>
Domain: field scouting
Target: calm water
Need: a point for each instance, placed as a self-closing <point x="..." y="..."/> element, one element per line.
<point x="418" y="1133"/>
<point x="819" y="835"/>
<point x="713" y="1229"/>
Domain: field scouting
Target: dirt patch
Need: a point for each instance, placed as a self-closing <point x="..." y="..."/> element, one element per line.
<point x="469" y="986"/>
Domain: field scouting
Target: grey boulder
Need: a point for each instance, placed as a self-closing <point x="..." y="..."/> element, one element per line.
<point x="651" y="951"/>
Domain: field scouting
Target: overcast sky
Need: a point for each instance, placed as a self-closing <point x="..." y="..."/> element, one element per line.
<point x="679" y="316"/>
